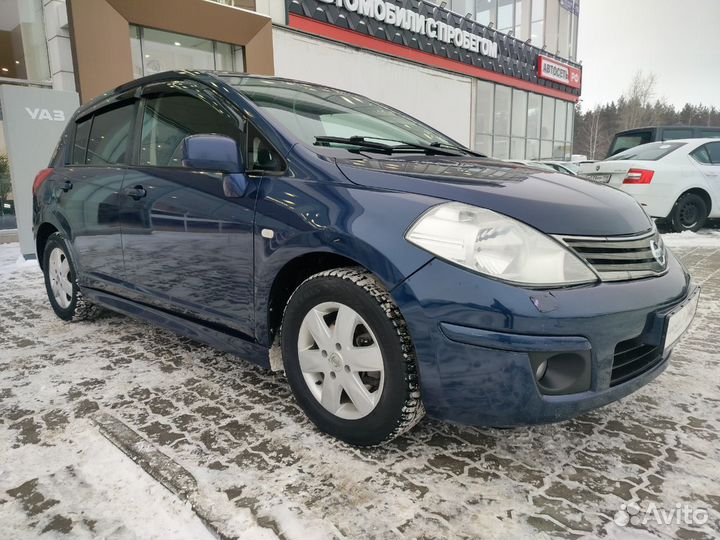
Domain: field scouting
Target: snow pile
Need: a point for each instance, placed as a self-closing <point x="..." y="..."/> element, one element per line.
<point x="702" y="238"/>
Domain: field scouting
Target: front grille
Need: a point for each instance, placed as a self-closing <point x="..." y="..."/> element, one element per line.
<point x="633" y="358"/>
<point x="618" y="258"/>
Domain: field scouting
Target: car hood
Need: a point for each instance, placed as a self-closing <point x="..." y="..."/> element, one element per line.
<point x="551" y="202"/>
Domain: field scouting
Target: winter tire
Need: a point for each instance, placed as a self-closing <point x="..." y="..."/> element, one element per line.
<point x="349" y="358"/>
<point x="689" y="213"/>
<point x="63" y="292"/>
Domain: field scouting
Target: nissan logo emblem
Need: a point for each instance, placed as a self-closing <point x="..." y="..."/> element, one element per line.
<point x="658" y="252"/>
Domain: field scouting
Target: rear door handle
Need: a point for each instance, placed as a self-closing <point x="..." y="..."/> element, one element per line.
<point x="67" y="186"/>
<point x="137" y="192"/>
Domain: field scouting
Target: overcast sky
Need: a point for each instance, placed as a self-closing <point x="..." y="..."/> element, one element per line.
<point x="678" y="40"/>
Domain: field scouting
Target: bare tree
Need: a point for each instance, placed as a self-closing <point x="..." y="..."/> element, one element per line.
<point x="594" y="126"/>
<point x="636" y="101"/>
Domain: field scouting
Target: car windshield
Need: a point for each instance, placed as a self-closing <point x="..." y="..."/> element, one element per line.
<point x="648" y="152"/>
<point x="311" y="111"/>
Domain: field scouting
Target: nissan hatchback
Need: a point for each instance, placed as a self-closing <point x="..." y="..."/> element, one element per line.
<point x="388" y="270"/>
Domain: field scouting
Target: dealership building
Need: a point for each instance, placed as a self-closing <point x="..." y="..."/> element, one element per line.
<point x="497" y="75"/>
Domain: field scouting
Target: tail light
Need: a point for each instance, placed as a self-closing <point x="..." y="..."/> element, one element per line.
<point x="41" y="177"/>
<point x="638" y="176"/>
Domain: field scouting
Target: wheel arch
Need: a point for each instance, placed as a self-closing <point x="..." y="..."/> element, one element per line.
<point x="278" y="275"/>
<point x="288" y="279"/>
<point x="700" y="192"/>
<point x="41" y="237"/>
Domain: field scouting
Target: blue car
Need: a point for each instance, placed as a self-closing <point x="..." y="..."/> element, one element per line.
<point x="387" y="269"/>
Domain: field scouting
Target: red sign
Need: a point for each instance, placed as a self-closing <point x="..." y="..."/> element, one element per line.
<point x="555" y="71"/>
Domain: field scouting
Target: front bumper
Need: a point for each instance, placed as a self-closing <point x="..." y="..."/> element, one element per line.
<point x="477" y="341"/>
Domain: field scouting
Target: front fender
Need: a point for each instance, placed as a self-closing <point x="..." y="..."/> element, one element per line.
<point x="295" y="218"/>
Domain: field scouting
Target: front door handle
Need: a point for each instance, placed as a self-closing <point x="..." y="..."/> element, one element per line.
<point x="137" y="192"/>
<point x="67" y="186"/>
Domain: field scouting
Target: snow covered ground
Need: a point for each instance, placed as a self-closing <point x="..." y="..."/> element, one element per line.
<point x="708" y="238"/>
<point x="261" y="471"/>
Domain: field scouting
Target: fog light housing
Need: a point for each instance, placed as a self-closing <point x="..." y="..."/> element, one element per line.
<point x="560" y="373"/>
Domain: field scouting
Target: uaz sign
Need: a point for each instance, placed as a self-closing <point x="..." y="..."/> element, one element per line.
<point x="37" y="113"/>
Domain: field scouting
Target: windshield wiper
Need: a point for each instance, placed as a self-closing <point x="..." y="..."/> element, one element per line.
<point x="458" y="148"/>
<point x="364" y="142"/>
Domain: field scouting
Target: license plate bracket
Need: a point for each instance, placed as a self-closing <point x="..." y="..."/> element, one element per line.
<point x="680" y="319"/>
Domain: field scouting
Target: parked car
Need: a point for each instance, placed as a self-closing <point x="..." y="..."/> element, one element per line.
<point x="676" y="180"/>
<point x="544" y="165"/>
<point x="565" y="167"/>
<point x="388" y="270"/>
<point x="630" y="138"/>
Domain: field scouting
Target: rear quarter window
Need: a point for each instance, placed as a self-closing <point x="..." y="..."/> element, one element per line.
<point x="648" y="152"/>
<point x="80" y="141"/>
<point x="701" y="155"/>
<point x="110" y="136"/>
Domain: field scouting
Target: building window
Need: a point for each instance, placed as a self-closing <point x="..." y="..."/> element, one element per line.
<point x="515" y="124"/>
<point x="505" y="16"/>
<point x="23" y="49"/>
<point x="537" y="23"/>
<point x="484" y="114"/>
<point x="154" y="51"/>
<point x="486" y="11"/>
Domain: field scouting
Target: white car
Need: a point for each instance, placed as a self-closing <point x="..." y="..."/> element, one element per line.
<point x="678" y="180"/>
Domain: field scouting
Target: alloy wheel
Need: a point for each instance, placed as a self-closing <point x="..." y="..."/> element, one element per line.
<point x="59" y="274"/>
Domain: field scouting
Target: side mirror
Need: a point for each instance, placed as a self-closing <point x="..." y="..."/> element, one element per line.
<point x="212" y="153"/>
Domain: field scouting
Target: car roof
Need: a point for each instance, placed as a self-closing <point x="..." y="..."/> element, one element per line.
<point x="675" y="126"/>
<point x="202" y="76"/>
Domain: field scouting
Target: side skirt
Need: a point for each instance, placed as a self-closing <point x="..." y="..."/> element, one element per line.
<point x="247" y="350"/>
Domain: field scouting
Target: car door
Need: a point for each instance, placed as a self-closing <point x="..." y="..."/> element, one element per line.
<point x="89" y="192"/>
<point x="707" y="159"/>
<point x="188" y="248"/>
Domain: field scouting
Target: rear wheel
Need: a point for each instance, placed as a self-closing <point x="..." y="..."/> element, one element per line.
<point x="349" y="358"/>
<point x="63" y="292"/>
<point x="689" y="213"/>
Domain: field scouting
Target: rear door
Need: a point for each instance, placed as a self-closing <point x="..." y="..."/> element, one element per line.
<point x="187" y="247"/>
<point x="89" y="188"/>
<point x="707" y="160"/>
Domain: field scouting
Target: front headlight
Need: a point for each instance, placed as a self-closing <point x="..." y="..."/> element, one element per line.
<point x="497" y="246"/>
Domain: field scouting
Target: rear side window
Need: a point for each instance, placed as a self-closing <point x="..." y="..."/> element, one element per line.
<point x="713" y="149"/>
<point x="110" y="136"/>
<point x="701" y="155"/>
<point x="648" y="152"/>
<point x="629" y="140"/>
<point x="676" y="133"/>
<point x="82" y="134"/>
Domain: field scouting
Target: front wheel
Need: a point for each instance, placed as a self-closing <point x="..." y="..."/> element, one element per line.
<point x="349" y="358"/>
<point x="689" y="213"/>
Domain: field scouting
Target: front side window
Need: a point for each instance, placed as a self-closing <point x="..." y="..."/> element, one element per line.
<point x="174" y="114"/>
<point x="670" y="134"/>
<point x="110" y="135"/>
